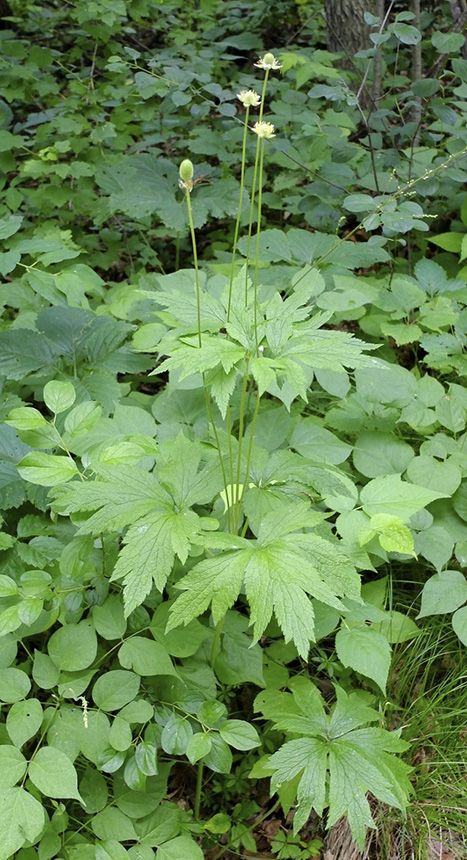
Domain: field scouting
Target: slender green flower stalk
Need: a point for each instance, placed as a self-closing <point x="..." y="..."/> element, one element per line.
<point x="267" y="63"/>
<point x="251" y="441"/>
<point x="253" y="189"/>
<point x="249" y="99"/>
<point x="229" y="500"/>
<point x="186" y="184"/>
<point x="241" y="427"/>
<point x="258" y="239"/>
<point x="263" y="130"/>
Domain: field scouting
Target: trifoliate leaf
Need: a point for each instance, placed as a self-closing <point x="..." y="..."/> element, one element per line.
<point x="389" y="494"/>
<point x="73" y="647"/>
<point x="115" y="689"/>
<point x="22" y="818"/>
<point x="394" y="535"/>
<point x="198" y="746"/>
<point x="47" y="470"/>
<point x="365" y="651"/>
<point x="145" y="657"/>
<point x="239" y="734"/>
<point x="443" y="592"/>
<point x="181" y="846"/>
<point x="24" y="720"/>
<point x="14" y="685"/>
<point x="12" y="766"/>
<point x="459" y="624"/>
<point x="59" y="396"/>
<point x="120" y="497"/>
<point x="377" y="454"/>
<point x="52" y="772"/>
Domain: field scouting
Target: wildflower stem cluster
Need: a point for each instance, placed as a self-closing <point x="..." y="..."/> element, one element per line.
<point x="233" y="486"/>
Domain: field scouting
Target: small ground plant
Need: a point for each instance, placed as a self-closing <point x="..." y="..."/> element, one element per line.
<point x="232" y="451"/>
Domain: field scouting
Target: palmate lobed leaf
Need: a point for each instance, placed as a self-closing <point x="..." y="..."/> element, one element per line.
<point x="323" y="349"/>
<point x="338" y="761"/>
<point x="189" y="358"/>
<point x="148" y="555"/>
<point x="120" y="496"/>
<point x="155" y="506"/>
<point x="278" y="571"/>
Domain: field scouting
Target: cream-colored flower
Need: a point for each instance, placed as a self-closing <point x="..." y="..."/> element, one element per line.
<point x="264" y="129"/>
<point x="268" y="62"/>
<point x="249" y="98"/>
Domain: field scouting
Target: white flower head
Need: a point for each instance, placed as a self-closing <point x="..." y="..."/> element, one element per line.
<point x="268" y="62"/>
<point x="249" y="98"/>
<point x="264" y="129"/>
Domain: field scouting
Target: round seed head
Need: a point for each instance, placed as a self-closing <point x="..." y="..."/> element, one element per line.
<point x="186" y="170"/>
<point x="249" y="98"/>
<point x="268" y="62"/>
<point x="264" y="129"/>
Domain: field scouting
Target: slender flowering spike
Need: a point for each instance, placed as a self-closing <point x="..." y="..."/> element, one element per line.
<point x="268" y="62"/>
<point x="185" y="172"/>
<point x="249" y="98"/>
<point x="264" y="129"/>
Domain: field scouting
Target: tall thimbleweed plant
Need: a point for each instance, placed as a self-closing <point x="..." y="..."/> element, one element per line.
<point x="259" y="541"/>
<point x="234" y="488"/>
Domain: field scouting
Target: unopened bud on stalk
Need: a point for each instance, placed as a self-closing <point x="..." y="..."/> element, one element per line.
<point x="185" y="172"/>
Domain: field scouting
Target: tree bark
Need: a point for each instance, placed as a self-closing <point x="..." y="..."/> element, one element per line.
<point x="346" y="28"/>
<point x="4" y="12"/>
<point x="377" y="63"/>
<point x="459" y="13"/>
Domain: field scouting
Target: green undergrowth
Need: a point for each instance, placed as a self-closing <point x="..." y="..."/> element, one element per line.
<point x="232" y="433"/>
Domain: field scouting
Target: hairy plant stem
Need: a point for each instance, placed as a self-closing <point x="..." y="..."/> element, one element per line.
<point x="241" y="427"/>
<point x="200" y="342"/>
<point x="253" y="189"/>
<point x="231" y="464"/>
<point x="251" y="828"/>
<point x="258" y="237"/>
<point x="195" y="260"/>
<point x="215" y="651"/>
<point x="251" y="441"/>
<point x="198" y="790"/>
<point x="239" y="213"/>
<point x="216" y="643"/>
<point x="216" y="434"/>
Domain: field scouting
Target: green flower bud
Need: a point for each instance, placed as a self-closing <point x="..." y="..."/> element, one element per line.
<point x="186" y="170"/>
<point x="269" y="59"/>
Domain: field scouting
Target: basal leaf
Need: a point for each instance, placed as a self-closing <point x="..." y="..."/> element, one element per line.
<point x="338" y="762"/>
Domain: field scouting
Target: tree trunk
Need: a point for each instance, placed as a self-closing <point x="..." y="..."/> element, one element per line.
<point x="346" y="28"/>
<point x="459" y="13"/>
<point x="377" y="62"/>
<point x="4" y="12"/>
